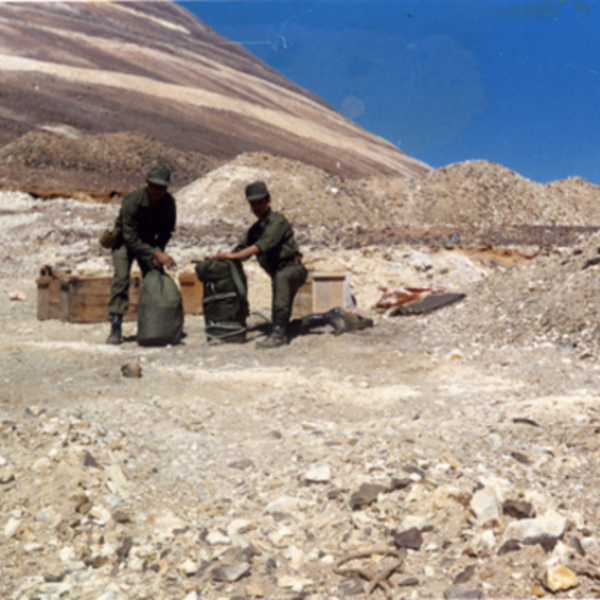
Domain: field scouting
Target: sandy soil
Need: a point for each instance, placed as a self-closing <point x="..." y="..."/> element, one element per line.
<point x="228" y="472"/>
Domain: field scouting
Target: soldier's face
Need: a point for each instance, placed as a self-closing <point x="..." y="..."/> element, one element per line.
<point x="260" y="208"/>
<point x="155" y="192"/>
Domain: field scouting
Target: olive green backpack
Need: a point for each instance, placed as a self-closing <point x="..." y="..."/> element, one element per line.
<point x="225" y="300"/>
<point x="160" y="311"/>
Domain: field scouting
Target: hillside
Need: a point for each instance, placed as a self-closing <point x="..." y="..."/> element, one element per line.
<point x="153" y="69"/>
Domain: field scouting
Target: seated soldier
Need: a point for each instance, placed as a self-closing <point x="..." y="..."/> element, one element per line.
<point x="271" y="239"/>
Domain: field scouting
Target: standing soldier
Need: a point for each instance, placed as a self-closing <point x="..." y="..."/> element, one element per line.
<point x="144" y="225"/>
<point x="273" y="242"/>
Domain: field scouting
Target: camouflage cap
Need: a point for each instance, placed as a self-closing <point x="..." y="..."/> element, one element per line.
<point x="159" y="175"/>
<point x="256" y="191"/>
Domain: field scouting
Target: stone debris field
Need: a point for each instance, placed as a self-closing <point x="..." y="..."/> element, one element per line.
<point x="450" y="455"/>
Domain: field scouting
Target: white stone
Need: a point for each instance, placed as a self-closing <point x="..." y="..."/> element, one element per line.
<point x="297" y="584"/>
<point x="485" y="507"/>
<point x="281" y="536"/>
<point x="115" y="474"/>
<point x="502" y="487"/>
<point x="552" y="525"/>
<point x="189" y="567"/>
<point x="100" y="514"/>
<point x="3" y="461"/>
<point x="284" y="504"/>
<point x="216" y="538"/>
<point x="67" y="554"/>
<point x="578" y="520"/>
<point x="411" y="521"/>
<point x="239" y="526"/>
<point x="33" y="547"/>
<point x="12" y="526"/>
<point x="482" y="541"/>
<point x="191" y="596"/>
<point x="168" y="521"/>
<point x="320" y="473"/>
<point x="488" y="539"/>
<point x="7" y="474"/>
<point x="136" y="563"/>
<point x="45" y="514"/>
<point x="295" y="556"/>
<point x="232" y="574"/>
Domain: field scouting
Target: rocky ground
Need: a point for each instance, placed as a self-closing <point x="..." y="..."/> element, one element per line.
<point x="448" y="455"/>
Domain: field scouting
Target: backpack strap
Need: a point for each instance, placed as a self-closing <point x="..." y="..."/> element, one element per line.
<point x="237" y="280"/>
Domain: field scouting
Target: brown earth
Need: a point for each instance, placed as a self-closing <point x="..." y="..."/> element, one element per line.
<point x="152" y="68"/>
<point x="101" y="168"/>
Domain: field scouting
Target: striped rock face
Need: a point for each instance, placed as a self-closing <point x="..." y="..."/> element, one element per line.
<point x="154" y="69"/>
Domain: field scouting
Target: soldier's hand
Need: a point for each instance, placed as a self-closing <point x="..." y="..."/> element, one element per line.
<point x="164" y="259"/>
<point x="223" y="256"/>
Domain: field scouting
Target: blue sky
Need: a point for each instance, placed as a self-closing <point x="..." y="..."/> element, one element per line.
<point x="514" y="82"/>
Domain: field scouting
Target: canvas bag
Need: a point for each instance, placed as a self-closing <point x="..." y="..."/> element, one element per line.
<point x="160" y="311"/>
<point x="225" y="300"/>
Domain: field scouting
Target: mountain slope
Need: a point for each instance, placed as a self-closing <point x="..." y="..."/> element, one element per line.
<point x="155" y="69"/>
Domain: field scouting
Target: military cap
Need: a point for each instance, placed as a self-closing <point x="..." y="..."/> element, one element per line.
<point x="256" y="191"/>
<point x="159" y="175"/>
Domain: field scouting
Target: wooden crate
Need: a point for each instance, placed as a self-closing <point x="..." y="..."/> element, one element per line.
<point x="322" y="291"/>
<point x="48" y="296"/>
<point x="192" y="293"/>
<point x="85" y="299"/>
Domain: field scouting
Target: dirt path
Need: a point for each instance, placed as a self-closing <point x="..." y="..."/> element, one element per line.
<point x="200" y="482"/>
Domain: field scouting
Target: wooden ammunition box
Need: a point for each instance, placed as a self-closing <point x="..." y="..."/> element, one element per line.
<point x="84" y="299"/>
<point x="322" y="291"/>
<point x="48" y="297"/>
<point x="192" y="293"/>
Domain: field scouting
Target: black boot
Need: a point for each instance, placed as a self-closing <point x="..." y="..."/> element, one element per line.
<point x="115" y="329"/>
<point x="277" y="336"/>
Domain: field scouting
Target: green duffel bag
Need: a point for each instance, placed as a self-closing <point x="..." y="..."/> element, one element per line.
<point x="225" y="300"/>
<point x="160" y="312"/>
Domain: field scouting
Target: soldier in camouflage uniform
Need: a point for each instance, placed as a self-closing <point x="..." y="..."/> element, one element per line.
<point x="144" y="226"/>
<point x="271" y="239"/>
